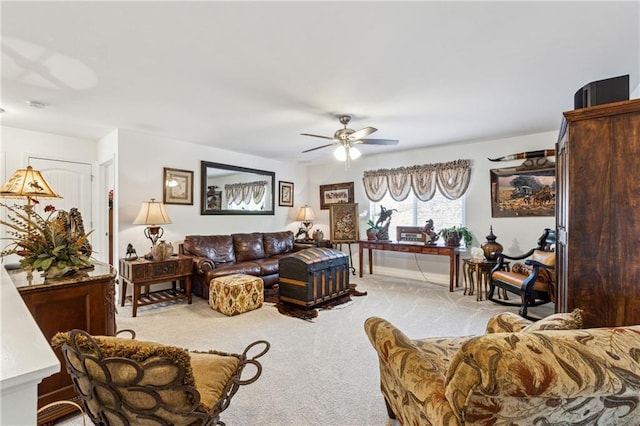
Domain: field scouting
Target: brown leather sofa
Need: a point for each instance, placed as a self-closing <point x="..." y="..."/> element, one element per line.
<point x="254" y="254"/>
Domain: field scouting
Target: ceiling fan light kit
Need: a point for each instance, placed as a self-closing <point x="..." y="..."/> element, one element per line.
<point x="345" y="138"/>
<point x="342" y="152"/>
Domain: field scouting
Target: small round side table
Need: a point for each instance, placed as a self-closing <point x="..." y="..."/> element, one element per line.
<point x="477" y="273"/>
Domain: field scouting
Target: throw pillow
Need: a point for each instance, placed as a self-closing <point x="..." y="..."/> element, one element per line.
<point x="543" y="274"/>
<point x="561" y="321"/>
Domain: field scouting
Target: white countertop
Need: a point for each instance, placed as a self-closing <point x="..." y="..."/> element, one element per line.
<point x="25" y="355"/>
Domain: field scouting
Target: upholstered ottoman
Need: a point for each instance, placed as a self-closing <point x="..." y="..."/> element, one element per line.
<point x="236" y="294"/>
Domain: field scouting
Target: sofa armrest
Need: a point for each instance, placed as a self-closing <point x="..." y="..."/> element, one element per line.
<point x="201" y="264"/>
<point x="409" y="373"/>
<point x="506" y="322"/>
<point x="298" y="247"/>
<point x="546" y="374"/>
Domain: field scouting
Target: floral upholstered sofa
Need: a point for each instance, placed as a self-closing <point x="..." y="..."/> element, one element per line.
<point x="518" y="373"/>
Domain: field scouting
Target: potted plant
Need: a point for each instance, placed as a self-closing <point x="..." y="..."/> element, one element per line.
<point x="372" y="230"/>
<point x="455" y="234"/>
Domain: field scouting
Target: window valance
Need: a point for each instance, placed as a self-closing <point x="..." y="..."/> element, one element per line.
<point x="451" y="179"/>
<point x="238" y="193"/>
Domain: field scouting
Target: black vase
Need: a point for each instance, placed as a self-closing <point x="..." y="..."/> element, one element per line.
<point x="490" y="247"/>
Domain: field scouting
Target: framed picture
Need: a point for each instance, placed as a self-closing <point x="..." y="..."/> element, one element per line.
<point x="337" y="193"/>
<point x="343" y="219"/>
<point x="523" y="191"/>
<point x="178" y="186"/>
<point x="285" y="192"/>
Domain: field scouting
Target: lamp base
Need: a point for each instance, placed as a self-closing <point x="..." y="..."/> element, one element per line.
<point x="154" y="233"/>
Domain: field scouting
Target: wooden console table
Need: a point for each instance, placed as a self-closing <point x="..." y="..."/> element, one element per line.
<point x="420" y="248"/>
<point x="142" y="272"/>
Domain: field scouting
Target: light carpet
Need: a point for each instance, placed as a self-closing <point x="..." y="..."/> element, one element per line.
<point x="320" y="373"/>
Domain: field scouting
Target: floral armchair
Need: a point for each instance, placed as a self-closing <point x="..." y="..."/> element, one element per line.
<point x="519" y="372"/>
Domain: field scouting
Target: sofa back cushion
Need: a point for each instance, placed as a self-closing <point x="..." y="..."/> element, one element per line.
<point x="248" y="246"/>
<point x="218" y="248"/>
<point x="277" y="242"/>
<point x="520" y="378"/>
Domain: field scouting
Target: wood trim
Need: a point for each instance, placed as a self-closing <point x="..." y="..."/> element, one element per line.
<point x="604" y="110"/>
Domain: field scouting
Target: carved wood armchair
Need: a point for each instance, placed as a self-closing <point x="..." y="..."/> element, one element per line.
<point x="533" y="279"/>
<point x="129" y="382"/>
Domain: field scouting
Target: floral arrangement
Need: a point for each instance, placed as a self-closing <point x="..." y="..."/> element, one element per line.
<point x="45" y="243"/>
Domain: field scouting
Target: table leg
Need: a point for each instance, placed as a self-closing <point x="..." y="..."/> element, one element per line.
<point x="469" y="274"/>
<point x="136" y="296"/>
<point x="464" y="277"/>
<point x="353" y="270"/>
<point x="480" y="277"/>
<point x="452" y="272"/>
<point x="124" y="292"/>
<point x="360" y="251"/>
<point x="188" y="288"/>
<point x="457" y="255"/>
<point x="370" y="261"/>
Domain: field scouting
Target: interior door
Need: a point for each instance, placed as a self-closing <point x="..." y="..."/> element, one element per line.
<point x="72" y="181"/>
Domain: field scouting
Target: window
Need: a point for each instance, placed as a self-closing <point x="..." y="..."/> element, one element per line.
<point x="412" y="212"/>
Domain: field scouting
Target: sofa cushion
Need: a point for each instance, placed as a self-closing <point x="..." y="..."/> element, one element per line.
<point x="218" y="248"/>
<point x="245" y="268"/>
<point x="268" y="265"/>
<point x="248" y="246"/>
<point x="277" y="242"/>
<point x="561" y="321"/>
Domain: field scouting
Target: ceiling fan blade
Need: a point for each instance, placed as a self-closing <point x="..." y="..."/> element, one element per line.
<point x="318" y="147"/>
<point x="318" y="136"/>
<point x="357" y="135"/>
<point x="379" y="141"/>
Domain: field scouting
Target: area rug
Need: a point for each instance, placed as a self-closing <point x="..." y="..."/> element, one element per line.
<point x="295" y="311"/>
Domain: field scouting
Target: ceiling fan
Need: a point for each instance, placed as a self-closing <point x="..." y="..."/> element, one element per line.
<point x="345" y="139"/>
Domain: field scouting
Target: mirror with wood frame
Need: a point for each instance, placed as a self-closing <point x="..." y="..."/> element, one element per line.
<point x="234" y="190"/>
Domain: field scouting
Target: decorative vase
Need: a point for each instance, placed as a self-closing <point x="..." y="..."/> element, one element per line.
<point x="453" y="239"/>
<point x="55" y="272"/>
<point x="490" y="247"/>
<point x="318" y="235"/>
<point x="163" y="250"/>
<point x="372" y="235"/>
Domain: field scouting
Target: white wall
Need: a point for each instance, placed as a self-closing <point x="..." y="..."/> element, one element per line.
<point x="141" y="159"/>
<point x="515" y="234"/>
<point x="17" y="144"/>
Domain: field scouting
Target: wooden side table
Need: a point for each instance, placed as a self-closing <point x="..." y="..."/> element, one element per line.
<point x="314" y="243"/>
<point x="477" y="272"/>
<point x="142" y="272"/>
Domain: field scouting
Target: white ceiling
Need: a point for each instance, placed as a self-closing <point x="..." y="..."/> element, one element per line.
<point x="252" y="76"/>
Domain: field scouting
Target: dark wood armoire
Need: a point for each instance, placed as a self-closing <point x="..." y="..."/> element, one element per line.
<point x="598" y="213"/>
